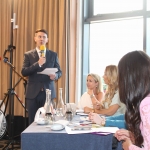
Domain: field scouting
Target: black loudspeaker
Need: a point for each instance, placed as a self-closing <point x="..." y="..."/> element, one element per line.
<point x="20" y="123"/>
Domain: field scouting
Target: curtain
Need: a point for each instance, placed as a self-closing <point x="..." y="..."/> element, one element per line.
<point x="5" y="36"/>
<point x="71" y="29"/>
<point x="30" y="15"/>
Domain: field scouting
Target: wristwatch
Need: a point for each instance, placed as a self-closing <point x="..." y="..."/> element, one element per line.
<point x="92" y="95"/>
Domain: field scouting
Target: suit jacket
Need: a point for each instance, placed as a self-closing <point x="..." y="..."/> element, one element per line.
<point x="38" y="81"/>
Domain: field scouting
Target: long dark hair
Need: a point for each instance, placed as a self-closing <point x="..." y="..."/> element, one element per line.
<point x="134" y="86"/>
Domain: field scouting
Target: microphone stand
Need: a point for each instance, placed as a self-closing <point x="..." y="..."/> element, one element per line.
<point x="10" y="98"/>
<point x="21" y="78"/>
<point x="10" y="94"/>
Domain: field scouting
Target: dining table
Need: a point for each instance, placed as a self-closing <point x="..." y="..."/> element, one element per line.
<point x="42" y="137"/>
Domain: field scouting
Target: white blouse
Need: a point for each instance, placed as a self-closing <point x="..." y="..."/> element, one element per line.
<point x="85" y="101"/>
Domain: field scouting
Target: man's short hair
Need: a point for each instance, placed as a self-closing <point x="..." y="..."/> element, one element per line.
<point x="41" y="30"/>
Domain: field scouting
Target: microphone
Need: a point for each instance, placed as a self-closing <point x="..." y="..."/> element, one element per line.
<point x="42" y="48"/>
<point x="6" y="61"/>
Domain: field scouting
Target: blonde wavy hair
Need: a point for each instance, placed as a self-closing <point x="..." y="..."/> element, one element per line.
<point x="98" y="79"/>
<point x="112" y="85"/>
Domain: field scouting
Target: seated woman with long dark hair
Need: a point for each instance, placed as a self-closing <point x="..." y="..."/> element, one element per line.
<point x="134" y="92"/>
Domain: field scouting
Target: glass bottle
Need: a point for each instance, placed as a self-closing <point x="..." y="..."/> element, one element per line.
<point x="49" y="108"/>
<point x="60" y="104"/>
<point x="48" y="100"/>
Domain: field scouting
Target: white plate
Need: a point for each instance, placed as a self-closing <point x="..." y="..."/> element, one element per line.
<point x="57" y="126"/>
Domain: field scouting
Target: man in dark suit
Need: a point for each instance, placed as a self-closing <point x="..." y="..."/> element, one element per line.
<point x="37" y="83"/>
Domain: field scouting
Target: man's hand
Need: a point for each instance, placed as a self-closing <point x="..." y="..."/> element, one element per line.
<point x="42" y="61"/>
<point x="52" y="76"/>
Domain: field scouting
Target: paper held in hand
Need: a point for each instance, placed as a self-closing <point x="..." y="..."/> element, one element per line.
<point x="48" y="71"/>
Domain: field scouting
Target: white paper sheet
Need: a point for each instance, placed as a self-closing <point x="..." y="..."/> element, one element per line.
<point x="79" y="110"/>
<point x="82" y="114"/>
<point x="101" y="129"/>
<point x="48" y="71"/>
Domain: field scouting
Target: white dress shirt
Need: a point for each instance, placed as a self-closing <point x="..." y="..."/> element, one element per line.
<point x="39" y="52"/>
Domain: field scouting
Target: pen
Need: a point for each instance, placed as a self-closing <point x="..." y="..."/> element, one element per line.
<point x="80" y="129"/>
<point x="85" y="124"/>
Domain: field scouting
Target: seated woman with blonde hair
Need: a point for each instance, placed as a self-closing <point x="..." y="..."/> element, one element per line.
<point x="94" y="94"/>
<point x="111" y="104"/>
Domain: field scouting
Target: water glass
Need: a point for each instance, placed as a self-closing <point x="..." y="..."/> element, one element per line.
<point x="69" y="115"/>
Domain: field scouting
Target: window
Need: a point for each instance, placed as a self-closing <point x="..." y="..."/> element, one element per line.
<point x="109" y="41"/>
<point x="116" y="6"/>
<point x="148" y="4"/>
<point x="148" y="37"/>
<point x="111" y="29"/>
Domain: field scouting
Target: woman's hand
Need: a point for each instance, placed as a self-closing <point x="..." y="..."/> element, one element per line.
<point x="126" y="137"/>
<point x="97" y="105"/>
<point x="122" y="134"/>
<point x="96" y="118"/>
<point x="87" y="109"/>
<point x="126" y="143"/>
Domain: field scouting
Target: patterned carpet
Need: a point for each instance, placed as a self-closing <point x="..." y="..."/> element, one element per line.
<point x="6" y="144"/>
<point x="19" y="126"/>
